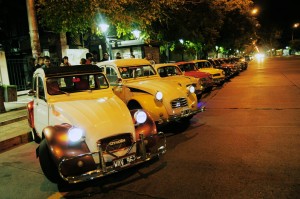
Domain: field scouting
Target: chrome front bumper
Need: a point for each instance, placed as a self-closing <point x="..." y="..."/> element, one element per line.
<point x="184" y="114"/>
<point x="103" y="169"/>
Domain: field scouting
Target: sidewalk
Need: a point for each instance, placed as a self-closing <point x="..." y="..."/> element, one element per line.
<point x="14" y="129"/>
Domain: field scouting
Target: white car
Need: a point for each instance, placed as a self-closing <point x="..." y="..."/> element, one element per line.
<point x="84" y="130"/>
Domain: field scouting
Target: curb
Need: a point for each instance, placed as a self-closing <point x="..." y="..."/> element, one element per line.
<point x="15" y="141"/>
<point x="13" y="120"/>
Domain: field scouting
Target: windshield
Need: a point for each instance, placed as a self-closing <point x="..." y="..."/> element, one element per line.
<point x="187" y="67"/>
<point x="76" y="83"/>
<point x="205" y="64"/>
<point x="136" y="71"/>
<point x="168" y="71"/>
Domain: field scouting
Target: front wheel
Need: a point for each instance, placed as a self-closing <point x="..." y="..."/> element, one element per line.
<point x="35" y="136"/>
<point x="134" y="105"/>
<point x="47" y="164"/>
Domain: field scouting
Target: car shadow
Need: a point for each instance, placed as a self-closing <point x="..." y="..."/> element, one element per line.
<point x="174" y="127"/>
<point x="111" y="182"/>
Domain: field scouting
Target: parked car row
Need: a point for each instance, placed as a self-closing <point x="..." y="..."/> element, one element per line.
<point x="95" y="120"/>
<point x="91" y="121"/>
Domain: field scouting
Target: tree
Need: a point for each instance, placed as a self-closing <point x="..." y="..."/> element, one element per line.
<point x="239" y="25"/>
<point x="81" y="15"/>
<point x="295" y="45"/>
<point x="207" y="23"/>
<point x="201" y="22"/>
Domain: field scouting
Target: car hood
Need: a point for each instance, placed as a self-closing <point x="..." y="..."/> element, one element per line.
<point x="211" y="70"/>
<point x="181" y="79"/>
<point x="197" y="74"/>
<point x="152" y="86"/>
<point x="99" y="118"/>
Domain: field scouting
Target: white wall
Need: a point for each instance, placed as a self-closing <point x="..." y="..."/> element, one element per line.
<point x="3" y="69"/>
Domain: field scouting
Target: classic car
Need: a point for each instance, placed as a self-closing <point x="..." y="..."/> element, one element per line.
<point x="225" y="63"/>
<point x="137" y="83"/>
<point x="216" y="64"/>
<point x="218" y="75"/>
<point x="83" y="129"/>
<point x="189" y="69"/>
<point x="171" y="72"/>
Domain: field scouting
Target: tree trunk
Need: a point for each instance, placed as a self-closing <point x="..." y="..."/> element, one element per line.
<point x="33" y="29"/>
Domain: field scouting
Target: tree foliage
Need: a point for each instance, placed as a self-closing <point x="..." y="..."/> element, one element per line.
<point x="81" y="15"/>
<point x="203" y="23"/>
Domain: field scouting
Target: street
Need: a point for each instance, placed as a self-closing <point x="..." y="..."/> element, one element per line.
<point x="245" y="145"/>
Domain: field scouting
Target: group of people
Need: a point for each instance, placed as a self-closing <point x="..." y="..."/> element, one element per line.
<point x="45" y="62"/>
<point x="42" y="62"/>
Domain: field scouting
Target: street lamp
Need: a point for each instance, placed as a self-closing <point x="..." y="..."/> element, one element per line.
<point x="296" y="25"/>
<point x="254" y="11"/>
<point x="136" y="34"/>
<point x="104" y="27"/>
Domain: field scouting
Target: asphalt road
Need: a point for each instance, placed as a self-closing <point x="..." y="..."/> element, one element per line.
<point x="246" y="145"/>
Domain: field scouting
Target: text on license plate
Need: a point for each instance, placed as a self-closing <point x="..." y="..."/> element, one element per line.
<point x="122" y="162"/>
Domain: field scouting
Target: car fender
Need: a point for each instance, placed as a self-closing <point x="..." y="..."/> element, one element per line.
<point x="148" y="129"/>
<point x="30" y="116"/>
<point x="148" y="102"/>
<point x="57" y="140"/>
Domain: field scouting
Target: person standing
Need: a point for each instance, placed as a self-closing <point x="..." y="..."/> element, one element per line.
<point x="118" y="55"/>
<point x="39" y="64"/>
<point x="105" y="57"/>
<point x="89" y="58"/>
<point x="65" y="61"/>
<point x="82" y="61"/>
<point x="47" y="62"/>
<point x="149" y="57"/>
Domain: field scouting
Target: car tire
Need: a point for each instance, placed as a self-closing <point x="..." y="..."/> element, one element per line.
<point x="35" y="137"/>
<point x="47" y="164"/>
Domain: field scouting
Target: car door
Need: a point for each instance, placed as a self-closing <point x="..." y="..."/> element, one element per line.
<point x="40" y="110"/>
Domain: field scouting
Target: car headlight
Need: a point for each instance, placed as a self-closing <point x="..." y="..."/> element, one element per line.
<point x="75" y="134"/>
<point x="191" y="89"/>
<point x="159" y="96"/>
<point x="140" y="116"/>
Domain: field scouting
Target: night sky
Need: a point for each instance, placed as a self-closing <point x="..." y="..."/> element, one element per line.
<point x="278" y="12"/>
<point x="281" y="14"/>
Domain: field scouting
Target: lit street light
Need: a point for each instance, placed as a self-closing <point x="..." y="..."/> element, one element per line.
<point x="136" y="34"/>
<point x="296" y="25"/>
<point x="254" y="11"/>
<point x="104" y="27"/>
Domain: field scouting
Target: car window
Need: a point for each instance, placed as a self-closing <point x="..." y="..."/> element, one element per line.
<point x="168" y="71"/>
<point x="187" y="67"/>
<point x="76" y="83"/>
<point x="111" y="75"/>
<point x="40" y="90"/>
<point x="127" y="72"/>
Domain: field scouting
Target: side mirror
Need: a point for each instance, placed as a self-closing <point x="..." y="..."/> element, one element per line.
<point x="31" y="92"/>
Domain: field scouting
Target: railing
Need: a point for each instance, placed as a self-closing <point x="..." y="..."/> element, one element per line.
<point x="20" y="72"/>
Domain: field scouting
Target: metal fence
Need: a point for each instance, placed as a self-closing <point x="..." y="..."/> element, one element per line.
<point x="20" y="72"/>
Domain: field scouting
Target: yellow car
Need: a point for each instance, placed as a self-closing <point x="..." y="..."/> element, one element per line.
<point x="218" y="75"/>
<point x="171" y="72"/>
<point x="137" y="83"/>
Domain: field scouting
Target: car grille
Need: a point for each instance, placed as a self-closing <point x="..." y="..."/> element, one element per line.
<point x="117" y="142"/>
<point x="179" y="102"/>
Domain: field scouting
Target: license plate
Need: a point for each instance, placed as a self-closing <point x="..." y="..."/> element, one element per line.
<point x="125" y="161"/>
<point x="185" y="112"/>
